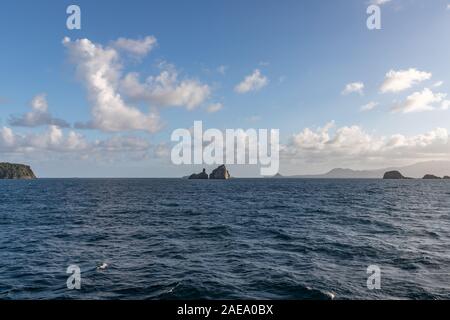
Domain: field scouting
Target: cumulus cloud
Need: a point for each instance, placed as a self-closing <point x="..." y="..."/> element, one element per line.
<point x="370" y="106"/>
<point x="100" y="70"/>
<point x="353" y="145"/>
<point x="215" y="107"/>
<point x="396" y="81"/>
<point x="165" y="89"/>
<point x="445" y="105"/>
<point x="162" y="151"/>
<point x="253" y="82"/>
<point x="122" y="144"/>
<point x="55" y="140"/>
<point x="7" y="138"/>
<point x="38" y="116"/>
<point x="355" y="87"/>
<point x="425" y="100"/>
<point x="137" y="47"/>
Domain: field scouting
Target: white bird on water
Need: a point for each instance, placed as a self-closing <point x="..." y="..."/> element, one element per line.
<point x="103" y="266"/>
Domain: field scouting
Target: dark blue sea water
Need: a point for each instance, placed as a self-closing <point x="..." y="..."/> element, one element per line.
<point x="252" y="239"/>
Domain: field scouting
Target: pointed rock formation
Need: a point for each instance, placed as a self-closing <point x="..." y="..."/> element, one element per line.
<point x="221" y="173"/>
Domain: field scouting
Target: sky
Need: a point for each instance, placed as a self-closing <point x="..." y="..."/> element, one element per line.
<point x="103" y="101"/>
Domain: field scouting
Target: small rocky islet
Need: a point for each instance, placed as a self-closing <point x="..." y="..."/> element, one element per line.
<point x="220" y="173"/>
<point x="396" y="175"/>
<point x="431" y="177"/>
<point x="14" y="171"/>
<point x="393" y="175"/>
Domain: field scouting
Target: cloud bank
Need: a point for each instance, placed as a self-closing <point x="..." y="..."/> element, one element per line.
<point x="38" y="116"/>
<point x="352" y="145"/>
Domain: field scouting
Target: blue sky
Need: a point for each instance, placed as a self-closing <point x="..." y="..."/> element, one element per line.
<point x="305" y="51"/>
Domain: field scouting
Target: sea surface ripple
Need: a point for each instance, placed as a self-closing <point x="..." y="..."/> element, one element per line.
<point x="236" y="239"/>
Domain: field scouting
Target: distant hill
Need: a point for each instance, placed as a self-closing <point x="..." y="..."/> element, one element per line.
<point x="418" y="170"/>
<point x="340" y="173"/>
<point x="15" y="171"/>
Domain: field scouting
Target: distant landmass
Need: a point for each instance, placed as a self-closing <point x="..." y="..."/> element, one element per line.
<point x="431" y="177"/>
<point x="418" y="170"/>
<point x="396" y="175"/>
<point x="16" y="171"/>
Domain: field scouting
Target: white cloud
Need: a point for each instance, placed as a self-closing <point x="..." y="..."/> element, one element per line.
<point x="438" y="84"/>
<point x="253" y="82"/>
<point x="355" y="87"/>
<point x="445" y="105"/>
<point x="165" y="89"/>
<point x="100" y="70"/>
<point x="310" y="140"/>
<point x="7" y="138"/>
<point x="162" y="150"/>
<point x="351" y="145"/>
<point x="448" y="7"/>
<point x="38" y="116"/>
<point x="370" y="106"/>
<point x="122" y="144"/>
<point x="396" y="81"/>
<point x="137" y="47"/>
<point x="215" y="107"/>
<point x="420" y="101"/>
<point x="55" y="141"/>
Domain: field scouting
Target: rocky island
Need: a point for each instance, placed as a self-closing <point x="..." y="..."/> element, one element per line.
<point x="221" y="173"/>
<point x="397" y="175"/>
<point x="16" y="171"/>
<point x="431" y="177"/>
<point x="393" y="175"/>
<point x="200" y="176"/>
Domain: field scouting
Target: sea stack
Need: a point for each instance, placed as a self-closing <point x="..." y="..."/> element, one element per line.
<point x="201" y="176"/>
<point x="221" y="173"/>
<point x="16" y="171"/>
<point x="393" y="175"/>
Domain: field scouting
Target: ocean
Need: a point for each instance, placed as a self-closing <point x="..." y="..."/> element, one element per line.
<point x="236" y="239"/>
